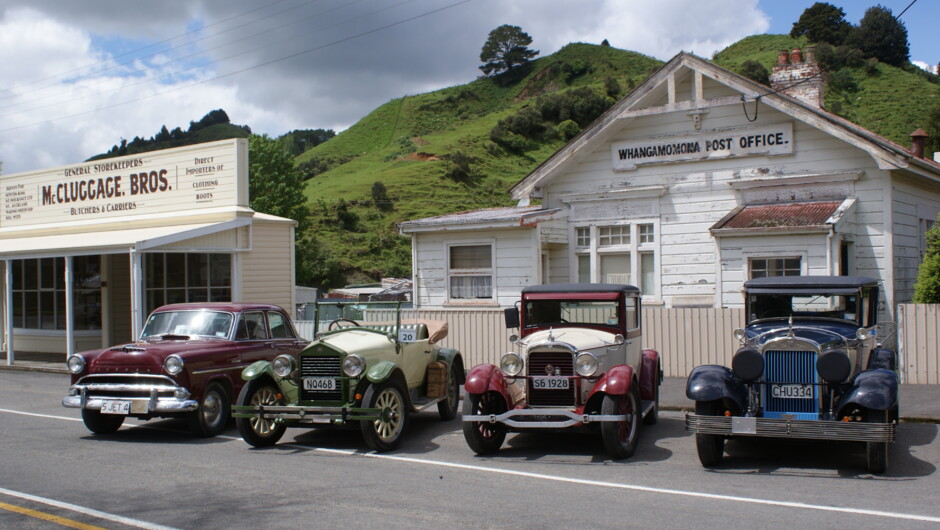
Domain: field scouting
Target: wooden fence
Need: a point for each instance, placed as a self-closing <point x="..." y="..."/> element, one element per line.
<point x="685" y="337"/>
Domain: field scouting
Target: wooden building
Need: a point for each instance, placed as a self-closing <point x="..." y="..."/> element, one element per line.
<point x="696" y="181"/>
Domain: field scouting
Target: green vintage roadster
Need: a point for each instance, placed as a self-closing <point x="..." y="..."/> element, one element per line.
<point x="366" y="367"/>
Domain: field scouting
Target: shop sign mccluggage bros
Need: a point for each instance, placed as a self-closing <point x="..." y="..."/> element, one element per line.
<point x="150" y="183"/>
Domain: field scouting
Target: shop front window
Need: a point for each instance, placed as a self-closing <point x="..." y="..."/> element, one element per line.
<point x="623" y="254"/>
<point x="39" y="293"/>
<point x="174" y="278"/>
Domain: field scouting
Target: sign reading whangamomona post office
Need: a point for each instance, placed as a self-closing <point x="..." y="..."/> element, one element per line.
<point x="769" y="140"/>
<point x="148" y="183"/>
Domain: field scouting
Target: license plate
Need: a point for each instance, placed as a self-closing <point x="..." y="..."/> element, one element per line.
<point x="319" y="383"/>
<point x="550" y="383"/>
<point x="113" y="406"/>
<point x="792" y="391"/>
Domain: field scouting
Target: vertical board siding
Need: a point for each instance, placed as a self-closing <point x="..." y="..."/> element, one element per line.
<point x="684" y="337"/>
<point x="919" y="343"/>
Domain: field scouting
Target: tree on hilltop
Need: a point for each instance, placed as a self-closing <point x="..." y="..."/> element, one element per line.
<point x="881" y="36"/>
<point x="822" y="22"/>
<point x="505" y="49"/>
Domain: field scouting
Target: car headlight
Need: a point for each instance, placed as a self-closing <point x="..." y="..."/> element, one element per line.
<point x="283" y="365"/>
<point x="511" y="364"/>
<point x="834" y="366"/>
<point x="173" y="364"/>
<point x="740" y="334"/>
<point x="747" y="364"/>
<point x="865" y="334"/>
<point x="585" y="364"/>
<point x="76" y="363"/>
<point x="353" y="365"/>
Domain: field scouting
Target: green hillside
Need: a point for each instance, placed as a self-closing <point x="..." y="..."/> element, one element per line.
<point x="411" y="144"/>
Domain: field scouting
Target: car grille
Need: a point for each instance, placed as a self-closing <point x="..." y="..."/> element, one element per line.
<point x="322" y="367"/>
<point x="550" y="397"/>
<point x="790" y="367"/>
<point x="128" y="386"/>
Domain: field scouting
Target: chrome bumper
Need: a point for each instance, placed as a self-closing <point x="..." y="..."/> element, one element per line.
<point x="82" y="397"/>
<point x="782" y="428"/>
<point x="306" y="414"/>
<point x="573" y="418"/>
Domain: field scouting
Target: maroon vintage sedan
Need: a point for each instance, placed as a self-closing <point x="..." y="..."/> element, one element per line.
<point x="187" y="363"/>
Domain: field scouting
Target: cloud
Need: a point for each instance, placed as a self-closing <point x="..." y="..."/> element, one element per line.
<point x="285" y="64"/>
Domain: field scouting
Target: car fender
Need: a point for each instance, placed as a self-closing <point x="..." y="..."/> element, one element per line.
<point x="453" y="358"/>
<point x="380" y="371"/>
<point x="615" y="381"/>
<point x="484" y="378"/>
<point x="710" y="382"/>
<point x="874" y="389"/>
<point x="257" y="369"/>
<point x="651" y="376"/>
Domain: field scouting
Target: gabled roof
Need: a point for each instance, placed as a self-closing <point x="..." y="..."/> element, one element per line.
<point x="646" y="99"/>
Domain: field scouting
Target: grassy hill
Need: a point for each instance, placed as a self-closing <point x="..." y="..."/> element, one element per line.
<point x="411" y="144"/>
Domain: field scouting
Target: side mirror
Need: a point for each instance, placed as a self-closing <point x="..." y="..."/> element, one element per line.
<point x="512" y="317"/>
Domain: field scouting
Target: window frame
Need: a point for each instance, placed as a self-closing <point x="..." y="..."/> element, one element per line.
<point x="801" y="269"/>
<point x="641" y="241"/>
<point x="451" y="273"/>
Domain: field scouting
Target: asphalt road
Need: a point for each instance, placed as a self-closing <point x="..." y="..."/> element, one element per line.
<point x="53" y="471"/>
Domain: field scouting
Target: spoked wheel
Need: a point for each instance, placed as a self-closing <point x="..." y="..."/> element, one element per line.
<point x="99" y="423"/>
<point x="484" y="437"/>
<point x="213" y="413"/>
<point x="877" y="452"/>
<point x="711" y="447"/>
<point x="447" y="408"/>
<point x="257" y="431"/>
<point x="621" y="437"/>
<point x="384" y="434"/>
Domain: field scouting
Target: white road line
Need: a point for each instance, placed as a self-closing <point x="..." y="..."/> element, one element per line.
<point x="647" y="489"/>
<point x="585" y="482"/>
<point x="87" y="511"/>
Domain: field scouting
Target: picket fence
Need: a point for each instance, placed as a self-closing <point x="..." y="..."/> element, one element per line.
<point x="686" y="337"/>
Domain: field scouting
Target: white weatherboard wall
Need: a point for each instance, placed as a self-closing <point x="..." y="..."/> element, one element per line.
<point x="515" y="265"/>
<point x="699" y="193"/>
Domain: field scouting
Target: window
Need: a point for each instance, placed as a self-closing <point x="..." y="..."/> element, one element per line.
<point x="609" y="236"/>
<point x="251" y="326"/>
<point x="470" y="272"/>
<point x="177" y="278"/>
<point x="280" y="328"/>
<point x="764" y="267"/>
<point x="39" y="293"/>
<point x="624" y="254"/>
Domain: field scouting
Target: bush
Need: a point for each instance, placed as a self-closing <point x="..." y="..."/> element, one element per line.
<point x="755" y="71"/>
<point x="612" y="87"/>
<point x="843" y="81"/>
<point x="568" y="129"/>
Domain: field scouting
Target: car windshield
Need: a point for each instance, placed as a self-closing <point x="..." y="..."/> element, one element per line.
<point x="764" y="306"/>
<point x="552" y="312"/>
<point x="205" y="323"/>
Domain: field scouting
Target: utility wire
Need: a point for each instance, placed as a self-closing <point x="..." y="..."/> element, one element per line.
<point x="229" y="74"/>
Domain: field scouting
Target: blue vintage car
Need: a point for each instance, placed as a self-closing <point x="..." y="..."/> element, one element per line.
<point x="808" y="367"/>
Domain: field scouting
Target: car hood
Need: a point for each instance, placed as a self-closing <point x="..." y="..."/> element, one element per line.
<point x="367" y="344"/>
<point x="145" y="356"/>
<point x="578" y="338"/>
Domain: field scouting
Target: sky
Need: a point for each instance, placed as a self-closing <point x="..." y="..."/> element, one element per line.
<point x="77" y="77"/>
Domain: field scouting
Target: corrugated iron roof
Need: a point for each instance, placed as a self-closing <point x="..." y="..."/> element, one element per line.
<point x="779" y="215"/>
<point x="510" y="213"/>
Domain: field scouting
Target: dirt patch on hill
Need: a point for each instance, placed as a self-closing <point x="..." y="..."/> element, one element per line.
<point x="421" y="157"/>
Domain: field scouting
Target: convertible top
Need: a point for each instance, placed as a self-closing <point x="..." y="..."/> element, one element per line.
<point x="809" y="284"/>
<point x="580" y="288"/>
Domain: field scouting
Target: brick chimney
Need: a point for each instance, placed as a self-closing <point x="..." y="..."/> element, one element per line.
<point x="918" y="139"/>
<point x="799" y="77"/>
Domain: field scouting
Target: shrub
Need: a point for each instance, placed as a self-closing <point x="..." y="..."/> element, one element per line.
<point x="568" y="129"/>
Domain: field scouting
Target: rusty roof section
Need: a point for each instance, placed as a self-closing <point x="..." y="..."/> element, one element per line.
<point x="781" y="215"/>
